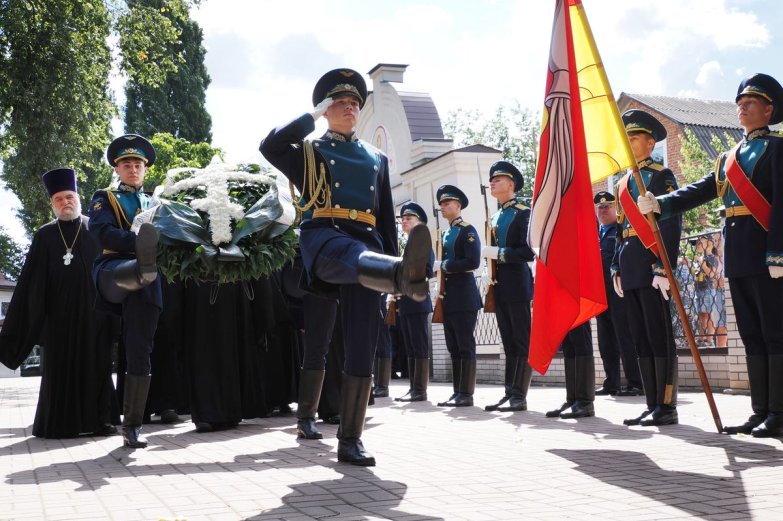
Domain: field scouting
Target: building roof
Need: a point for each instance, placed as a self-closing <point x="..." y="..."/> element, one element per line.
<point x="471" y="149"/>
<point x="705" y="118"/>
<point x="5" y="283"/>
<point x="423" y="119"/>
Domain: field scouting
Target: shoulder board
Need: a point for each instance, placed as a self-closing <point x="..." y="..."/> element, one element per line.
<point x="464" y="224"/>
<point x="775" y="134"/>
<point x="521" y="206"/>
<point x="657" y="166"/>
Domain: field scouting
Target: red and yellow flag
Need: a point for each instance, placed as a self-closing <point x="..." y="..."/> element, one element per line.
<point x="569" y="287"/>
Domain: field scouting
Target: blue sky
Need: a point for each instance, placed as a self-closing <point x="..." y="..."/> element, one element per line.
<point x="264" y="57"/>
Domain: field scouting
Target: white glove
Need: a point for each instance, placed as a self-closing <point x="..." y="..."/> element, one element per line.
<point x="490" y="252"/>
<point x="436" y="265"/>
<point x="618" y="286"/>
<point x="321" y="108"/>
<point x="662" y="285"/>
<point x="775" y="271"/>
<point x="647" y="203"/>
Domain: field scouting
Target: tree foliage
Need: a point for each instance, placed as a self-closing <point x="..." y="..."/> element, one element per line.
<point x="513" y="130"/>
<point x="55" y="105"/>
<point x="177" y="104"/>
<point x="11" y="256"/>
<point x="695" y="165"/>
<point x="173" y="152"/>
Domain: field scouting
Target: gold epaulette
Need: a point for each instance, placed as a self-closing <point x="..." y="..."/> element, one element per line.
<point x="721" y="185"/>
<point x="657" y="166"/>
<point x="464" y="223"/>
<point x="776" y="134"/>
<point x="521" y="206"/>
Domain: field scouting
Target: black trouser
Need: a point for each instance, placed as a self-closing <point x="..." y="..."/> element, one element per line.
<point x="415" y="334"/>
<point x="139" y="322"/>
<point x="649" y="319"/>
<point x="578" y="342"/>
<point x="458" y="327"/>
<point x="615" y="343"/>
<point x="320" y="314"/>
<point x="514" y="324"/>
<point x="758" y="305"/>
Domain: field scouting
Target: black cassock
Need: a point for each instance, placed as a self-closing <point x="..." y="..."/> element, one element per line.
<point x="52" y="306"/>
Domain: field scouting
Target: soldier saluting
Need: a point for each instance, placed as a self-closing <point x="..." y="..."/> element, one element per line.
<point x="749" y="182"/>
<point x="126" y="274"/>
<point x="351" y="240"/>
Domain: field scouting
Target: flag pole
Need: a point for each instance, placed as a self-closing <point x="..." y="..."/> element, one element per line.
<point x="686" y="325"/>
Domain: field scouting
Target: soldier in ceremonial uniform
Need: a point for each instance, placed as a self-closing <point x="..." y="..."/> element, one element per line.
<point x="639" y="278"/>
<point x="125" y="274"/>
<point x="350" y="243"/>
<point x="514" y="284"/>
<point x="461" y="298"/>
<point x="614" y="338"/>
<point x="749" y="182"/>
<point x="412" y="318"/>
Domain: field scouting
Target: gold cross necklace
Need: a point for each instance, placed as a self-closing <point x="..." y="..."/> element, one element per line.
<point x="69" y="249"/>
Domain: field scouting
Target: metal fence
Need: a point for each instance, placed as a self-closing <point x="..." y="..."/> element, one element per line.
<point x="699" y="272"/>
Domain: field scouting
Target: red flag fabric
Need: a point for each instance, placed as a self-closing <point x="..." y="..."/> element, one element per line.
<point x="569" y="288"/>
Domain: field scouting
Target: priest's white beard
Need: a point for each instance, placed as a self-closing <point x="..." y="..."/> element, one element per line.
<point x="68" y="214"/>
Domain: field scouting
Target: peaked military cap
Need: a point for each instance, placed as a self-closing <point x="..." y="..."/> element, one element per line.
<point x="130" y="146"/>
<point x="411" y="208"/>
<point x="767" y="87"/>
<point x="452" y="193"/>
<point x="636" y="120"/>
<point x="505" y="168"/>
<point x="340" y="81"/>
<point x="59" y="180"/>
<point x="603" y="197"/>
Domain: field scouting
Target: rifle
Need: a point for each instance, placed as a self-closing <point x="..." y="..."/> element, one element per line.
<point x="437" y="313"/>
<point x="489" y="299"/>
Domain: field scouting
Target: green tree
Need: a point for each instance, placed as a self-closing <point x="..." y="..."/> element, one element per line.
<point x="55" y="105"/>
<point x="173" y="152"/>
<point x="11" y="256"/>
<point x="513" y="130"/>
<point x="177" y="105"/>
<point x="694" y="166"/>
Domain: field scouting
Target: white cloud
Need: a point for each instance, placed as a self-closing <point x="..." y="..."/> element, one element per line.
<point x="708" y="72"/>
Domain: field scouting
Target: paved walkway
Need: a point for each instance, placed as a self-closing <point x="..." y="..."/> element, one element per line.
<point x="433" y="464"/>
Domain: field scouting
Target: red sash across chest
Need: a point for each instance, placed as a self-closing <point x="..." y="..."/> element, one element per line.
<point x="635" y="217"/>
<point x="748" y="194"/>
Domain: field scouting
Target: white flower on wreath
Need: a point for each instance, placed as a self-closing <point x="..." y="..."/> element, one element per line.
<point x="217" y="203"/>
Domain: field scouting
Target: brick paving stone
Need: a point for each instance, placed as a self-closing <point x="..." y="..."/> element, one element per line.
<point x="433" y="464"/>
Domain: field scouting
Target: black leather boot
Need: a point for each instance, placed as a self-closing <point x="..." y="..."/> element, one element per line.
<point x="355" y="393"/>
<point x="382" y="378"/>
<point x="310" y="383"/>
<point x="570" y="381"/>
<point x="666" y="375"/>
<point x="508" y="379"/>
<point x="467" y="384"/>
<point x="456" y="377"/>
<point x="133" y="274"/>
<point x="584" y="391"/>
<point x="419" y="369"/>
<point x="758" y="377"/>
<point x="406" y="275"/>
<point x="523" y="374"/>
<point x="134" y="402"/>
<point x="773" y="424"/>
<point x="647" y="371"/>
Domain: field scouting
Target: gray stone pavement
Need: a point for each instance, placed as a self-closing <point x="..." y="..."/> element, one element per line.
<point x="433" y="464"/>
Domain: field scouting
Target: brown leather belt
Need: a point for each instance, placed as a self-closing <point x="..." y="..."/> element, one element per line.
<point x="629" y="232"/>
<point x="737" y="211"/>
<point x="344" y="213"/>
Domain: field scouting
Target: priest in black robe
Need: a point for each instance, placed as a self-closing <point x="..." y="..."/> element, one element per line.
<point x="52" y="306"/>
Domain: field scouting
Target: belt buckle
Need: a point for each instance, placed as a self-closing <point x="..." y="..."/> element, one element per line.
<point x="353" y="214"/>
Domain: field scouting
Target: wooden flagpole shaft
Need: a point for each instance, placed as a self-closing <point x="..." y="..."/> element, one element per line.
<point x="675" y="290"/>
